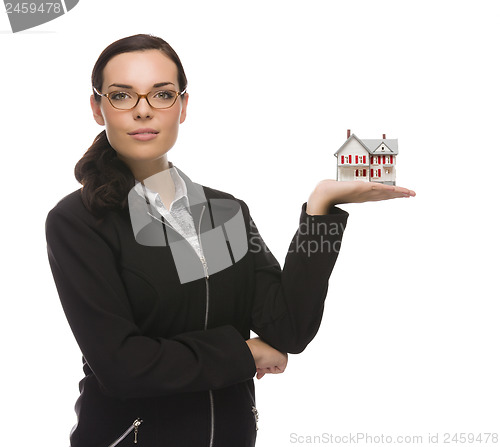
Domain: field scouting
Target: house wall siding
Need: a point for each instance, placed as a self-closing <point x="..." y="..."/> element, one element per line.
<point x="353" y="148"/>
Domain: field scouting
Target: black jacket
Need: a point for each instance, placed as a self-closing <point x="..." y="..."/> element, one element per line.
<point x="171" y="354"/>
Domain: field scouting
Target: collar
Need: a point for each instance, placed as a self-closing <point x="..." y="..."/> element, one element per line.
<point x="179" y="184"/>
<point x="143" y="214"/>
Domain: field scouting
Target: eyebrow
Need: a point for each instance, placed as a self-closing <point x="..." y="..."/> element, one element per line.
<point x="160" y="84"/>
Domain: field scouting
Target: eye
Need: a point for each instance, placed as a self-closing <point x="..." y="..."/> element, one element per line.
<point x="119" y="96"/>
<point x="164" y="95"/>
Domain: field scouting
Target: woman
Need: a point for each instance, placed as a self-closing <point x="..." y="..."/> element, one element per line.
<point x="162" y="279"/>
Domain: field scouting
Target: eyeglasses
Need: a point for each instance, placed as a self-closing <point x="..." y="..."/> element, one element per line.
<point x="157" y="99"/>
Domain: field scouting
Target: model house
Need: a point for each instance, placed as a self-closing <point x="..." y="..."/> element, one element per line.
<point x="367" y="160"/>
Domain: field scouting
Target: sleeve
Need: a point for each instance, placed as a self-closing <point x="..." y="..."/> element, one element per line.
<point x="288" y="304"/>
<point x="126" y="363"/>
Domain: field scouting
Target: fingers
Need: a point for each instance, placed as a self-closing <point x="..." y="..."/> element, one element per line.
<point x="379" y="191"/>
<point x="400" y="190"/>
<point x="403" y="192"/>
<point x="409" y="192"/>
<point x="261" y="372"/>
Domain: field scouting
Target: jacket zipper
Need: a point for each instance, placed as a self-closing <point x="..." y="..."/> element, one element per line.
<point x="254" y="410"/>
<point x="256" y="416"/>
<point x="210" y="393"/>
<point x="134" y="427"/>
<point x="207" y="303"/>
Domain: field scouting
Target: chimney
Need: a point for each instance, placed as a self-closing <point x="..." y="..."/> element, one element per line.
<point x="383" y="136"/>
<point x="348" y="133"/>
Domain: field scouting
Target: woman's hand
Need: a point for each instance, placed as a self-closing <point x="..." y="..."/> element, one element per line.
<point x="331" y="192"/>
<point x="267" y="359"/>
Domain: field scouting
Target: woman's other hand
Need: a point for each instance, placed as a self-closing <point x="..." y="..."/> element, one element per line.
<point x="267" y="359"/>
<point x="331" y="192"/>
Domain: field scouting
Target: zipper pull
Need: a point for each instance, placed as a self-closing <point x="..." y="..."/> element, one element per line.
<point x="205" y="266"/>
<point x="256" y="416"/>
<point x="136" y="424"/>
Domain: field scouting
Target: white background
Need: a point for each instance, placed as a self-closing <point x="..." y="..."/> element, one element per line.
<point x="409" y="339"/>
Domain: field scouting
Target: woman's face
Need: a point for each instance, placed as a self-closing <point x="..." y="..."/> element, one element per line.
<point x="139" y="71"/>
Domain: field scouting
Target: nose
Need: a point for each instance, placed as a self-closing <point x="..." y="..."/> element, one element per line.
<point x="143" y="109"/>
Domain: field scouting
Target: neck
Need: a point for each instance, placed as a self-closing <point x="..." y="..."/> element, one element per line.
<point x="145" y="169"/>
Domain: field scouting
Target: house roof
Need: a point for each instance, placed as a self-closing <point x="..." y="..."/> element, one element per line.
<point x="372" y="145"/>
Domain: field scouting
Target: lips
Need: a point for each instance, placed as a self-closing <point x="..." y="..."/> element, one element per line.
<point x="146" y="131"/>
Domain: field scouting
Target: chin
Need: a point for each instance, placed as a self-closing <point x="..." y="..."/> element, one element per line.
<point x="142" y="156"/>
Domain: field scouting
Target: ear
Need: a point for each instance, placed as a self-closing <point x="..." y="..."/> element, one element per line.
<point x="184" y="102"/>
<point x="96" y="111"/>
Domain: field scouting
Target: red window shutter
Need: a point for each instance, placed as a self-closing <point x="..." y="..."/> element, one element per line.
<point x="371" y="159"/>
<point x="383" y="159"/>
<point x="364" y="172"/>
<point x="379" y="174"/>
<point x="364" y="158"/>
<point x="342" y="159"/>
<point x="371" y="172"/>
<point x="357" y="173"/>
<point x="350" y="158"/>
<point x="391" y="159"/>
<point x="356" y="159"/>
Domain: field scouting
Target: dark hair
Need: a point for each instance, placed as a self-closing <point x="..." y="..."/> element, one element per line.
<point x="105" y="178"/>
